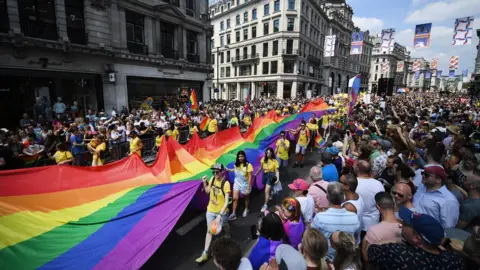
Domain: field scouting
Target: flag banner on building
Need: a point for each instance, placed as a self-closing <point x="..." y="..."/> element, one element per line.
<point x="400" y="66"/>
<point x="357" y="43"/>
<point x="453" y="64"/>
<point x="451" y="74"/>
<point x="434" y="63"/>
<point x="428" y="75"/>
<point x="385" y="67"/>
<point x="116" y="216"/>
<point x="388" y="37"/>
<point x="417" y="75"/>
<point x="422" y="35"/>
<point x="465" y="72"/>
<point x="330" y="46"/>
<point x="439" y="73"/>
<point x="416" y="65"/>
<point x="353" y="92"/>
<point x="463" y="31"/>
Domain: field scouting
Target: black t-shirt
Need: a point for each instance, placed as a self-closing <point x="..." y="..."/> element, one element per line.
<point x="400" y="256"/>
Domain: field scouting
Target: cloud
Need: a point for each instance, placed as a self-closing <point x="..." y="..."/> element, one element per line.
<point x="442" y="10"/>
<point x="374" y="25"/>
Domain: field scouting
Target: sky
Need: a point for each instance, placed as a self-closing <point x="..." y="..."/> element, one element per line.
<point x="403" y="15"/>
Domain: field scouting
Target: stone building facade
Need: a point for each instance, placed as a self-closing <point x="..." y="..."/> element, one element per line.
<point x="102" y="54"/>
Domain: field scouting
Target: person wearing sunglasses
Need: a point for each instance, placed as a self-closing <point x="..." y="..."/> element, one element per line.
<point x="403" y="195"/>
<point x="218" y="189"/>
<point x="302" y="143"/>
<point x="283" y="144"/>
<point x="269" y="165"/>
<point x="433" y="198"/>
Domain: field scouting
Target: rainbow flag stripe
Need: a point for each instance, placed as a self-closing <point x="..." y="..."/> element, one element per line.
<point x="116" y="216"/>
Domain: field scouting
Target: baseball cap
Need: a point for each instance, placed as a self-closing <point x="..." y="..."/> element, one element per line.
<point x="385" y="144"/>
<point x="217" y="166"/>
<point x="437" y="170"/>
<point x="332" y="150"/>
<point x="299" y="184"/>
<point x="425" y="225"/>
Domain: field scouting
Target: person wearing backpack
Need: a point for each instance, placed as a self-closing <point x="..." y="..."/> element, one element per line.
<point x="243" y="182"/>
<point x="302" y="143"/>
<point x="219" y="192"/>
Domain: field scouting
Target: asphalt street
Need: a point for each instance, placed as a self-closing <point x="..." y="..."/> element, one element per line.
<point x="186" y="241"/>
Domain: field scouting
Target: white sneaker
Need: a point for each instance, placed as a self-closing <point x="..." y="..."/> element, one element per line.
<point x="264" y="208"/>
<point x="245" y="213"/>
<point x="232" y="217"/>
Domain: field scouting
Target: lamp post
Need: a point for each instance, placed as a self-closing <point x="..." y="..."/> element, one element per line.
<point x="218" y="67"/>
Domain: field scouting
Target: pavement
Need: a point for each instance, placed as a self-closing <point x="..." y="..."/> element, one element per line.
<point x="186" y="241"/>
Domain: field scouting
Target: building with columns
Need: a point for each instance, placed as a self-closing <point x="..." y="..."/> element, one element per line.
<point x="273" y="47"/>
<point x="102" y="54"/>
<point x="342" y="66"/>
<point x="388" y="65"/>
<point x="422" y="82"/>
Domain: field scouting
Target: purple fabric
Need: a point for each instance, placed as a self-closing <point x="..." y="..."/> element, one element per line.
<point x="294" y="231"/>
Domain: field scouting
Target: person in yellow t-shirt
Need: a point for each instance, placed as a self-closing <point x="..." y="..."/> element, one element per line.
<point x="302" y="143"/>
<point x="99" y="151"/>
<point x="312" y="126"/>
<point x="136" y="144"/>
<point x="283" y="145"/>
<point x="242" y="183"/>
<point x="271" y="175"/>
<point x="212" y="125"/>
<point x="218" y="189"/>
<point x="192" y="129"/>
<point x="257" y="114"/>
<point x="247" y="120"/>
<point x="172" y="132"/>
<point x="158" y="141"/>
<point x="62" y="156"/>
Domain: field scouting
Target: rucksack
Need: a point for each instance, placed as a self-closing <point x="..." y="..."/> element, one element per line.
<point x="221" y="187"/>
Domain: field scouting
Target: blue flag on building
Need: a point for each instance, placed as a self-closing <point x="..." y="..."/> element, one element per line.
<point x="417" y="75"/>
<point x="465" y="72"/>
<point x="439" y="73"/>
<point x="428" y="75"/>
<point x="452" y="74"/>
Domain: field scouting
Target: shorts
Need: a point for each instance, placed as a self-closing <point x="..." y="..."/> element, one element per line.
<point x="267" y="178"/>
<point x="212" y="216"/>
<point x="299" y="149"/>
<point x="241" y="186"/>
<point x="282" y="163"/>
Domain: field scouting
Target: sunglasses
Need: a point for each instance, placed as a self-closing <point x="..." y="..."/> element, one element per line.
<point x="216" y="171"/>
<point x="398" y="194"/>
<point x="425" y="174"/>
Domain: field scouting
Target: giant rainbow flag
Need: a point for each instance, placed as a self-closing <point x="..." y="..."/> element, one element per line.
<point x="116" y="216"/>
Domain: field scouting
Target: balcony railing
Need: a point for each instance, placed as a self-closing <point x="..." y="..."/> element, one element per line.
<point x="190" y="12"/>
<point x="169" y="53"/>
<point x="313" y="59"/>
<point x="291" y="52"/>
<point x="194" y="58"/>
<point x="245" y="57"/>
<point x="77" y="36"/>
<point x="137" y="48"/>
<point x="39" y="29"/>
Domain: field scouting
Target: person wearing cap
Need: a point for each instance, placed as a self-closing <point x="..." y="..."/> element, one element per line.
<point x="424" y="234"/>
<point x="433" y="198"/>
<point x="136" y="144"/>
<point x="329" y="170"/>
<point x="218" y="189"/>
<point x="336" y="160"/>
<point x="281" y="151"/>
<point x="434" y="153"/>
<point x="453" y="131"/>
<point x="300" y="192"/>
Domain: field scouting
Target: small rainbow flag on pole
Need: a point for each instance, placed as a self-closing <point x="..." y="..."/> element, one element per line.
<point x="204" y="123"/>
<point x="319" y="142"/>
<point x="193" y="104"/>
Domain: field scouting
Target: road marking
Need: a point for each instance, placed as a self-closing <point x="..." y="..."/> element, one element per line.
<point x="190" y="225"/>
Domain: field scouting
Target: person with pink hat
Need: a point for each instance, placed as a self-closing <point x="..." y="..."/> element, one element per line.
<point x="307" y="205"/>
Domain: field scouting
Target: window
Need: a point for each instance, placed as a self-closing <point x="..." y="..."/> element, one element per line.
<point x="237" y="19"/>
<point x="135" y="32"/>
<point x="222" y="43"/>
<point x="37" y="19"/>
<point x="228" y="23"/>
<point x="245" y="16"/>
<point x="266" y="9"/>
<point x="221" y="26"/>
<point x="290" y="24"/>
<point x="227" y="73"/>
<point x="265" y="49"/>
<point x="222" y="72"/>
<point x="291" y="4"/>
<point x="254" y="50"/>
<point x="255" y="69"/>
<point x="191" y="42"/>
<point x="254" y="14"/>
<point x="254" y="32"/>
<point x="275" y="47"/>
<point x="375" y="77"/>
<point x="213" y="59"/>
<point x="75" y="21"/>
<point x="276" y="6"/>
<point x="245" y="34"/>
<point x="221" y="58"/>
<point x="289" y="46"/>
<point x="265" y="28"/>
<point x="228" y="38"/>
<point x="4" y="22"/>
<point x="378" y="60"/>
<point x="288" y="66"/>
<point x="273" y="68"/>
<point x="237" y="36"/>
<point x="276" y="25"/>
<point x="228" y="57"/>
<point x="376" y="67"/>
<point x="245" y="53"/>
<point x="265" y="68"/>
<point x="191" y="8"/>
<point x="168" y="41"/>
<point x="221" y="8"/>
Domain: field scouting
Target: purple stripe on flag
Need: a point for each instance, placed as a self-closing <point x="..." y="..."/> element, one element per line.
<point x="142" y="241"/>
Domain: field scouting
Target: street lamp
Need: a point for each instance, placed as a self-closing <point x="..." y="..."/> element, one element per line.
<point x="218" y="67"/>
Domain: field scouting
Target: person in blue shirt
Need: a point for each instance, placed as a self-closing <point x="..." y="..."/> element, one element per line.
<point x="78" y="147"/>
<point x="329" y="170"/>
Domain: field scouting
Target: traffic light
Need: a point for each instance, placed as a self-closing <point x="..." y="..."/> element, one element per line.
<point x="382" y="86"/>
<point x="391" y="82"/>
